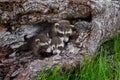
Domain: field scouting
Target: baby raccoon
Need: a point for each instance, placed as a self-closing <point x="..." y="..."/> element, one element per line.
<point x="39" y="43"/>
<point x="63" y="29"/>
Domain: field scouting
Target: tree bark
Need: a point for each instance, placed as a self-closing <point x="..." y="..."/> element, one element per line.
<point x="100" y="18"/>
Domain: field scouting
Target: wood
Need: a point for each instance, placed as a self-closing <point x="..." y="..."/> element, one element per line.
<point x="93" y="21"/>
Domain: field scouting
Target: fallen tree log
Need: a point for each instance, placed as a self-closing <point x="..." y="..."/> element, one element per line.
<point x="81" y="25"/>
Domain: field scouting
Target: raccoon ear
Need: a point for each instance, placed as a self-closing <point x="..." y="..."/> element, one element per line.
<point x="26" y="37"/>
<point x="57" y="24"/>
<point x="47" y="34"/>
<point x="37" y="40"/>
<point x="72" y="26"/>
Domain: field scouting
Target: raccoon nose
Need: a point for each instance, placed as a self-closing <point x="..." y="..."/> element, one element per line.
<point x="66" y="39"/>
<point x="56" y="51"/>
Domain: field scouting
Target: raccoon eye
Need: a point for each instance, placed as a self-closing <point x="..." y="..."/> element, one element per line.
<point x="60" y="48"/>
<point x="60" y="35"/>
<point x="67" y="34"/>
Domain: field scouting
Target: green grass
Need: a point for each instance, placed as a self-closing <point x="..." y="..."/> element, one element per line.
<point x="105" y="65"/>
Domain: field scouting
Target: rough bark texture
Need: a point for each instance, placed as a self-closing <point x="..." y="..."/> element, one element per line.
<point x="89" y="23"/>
